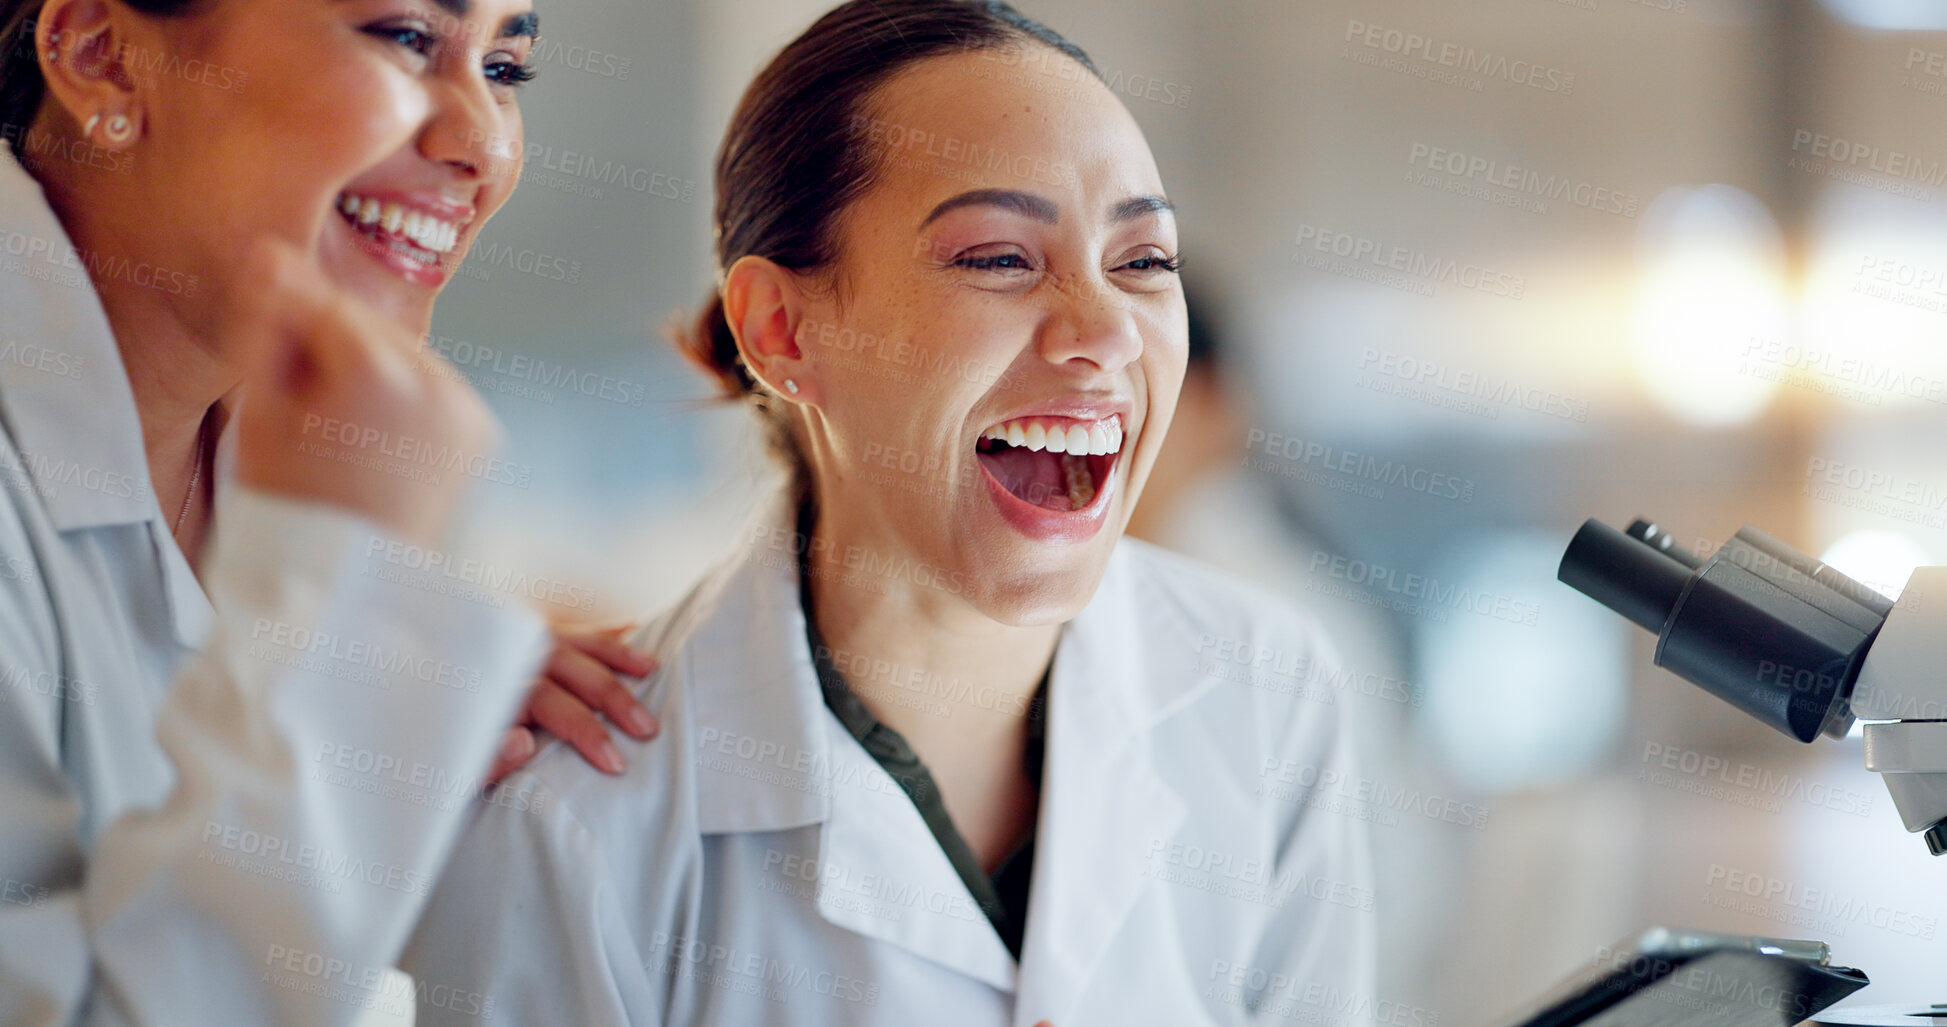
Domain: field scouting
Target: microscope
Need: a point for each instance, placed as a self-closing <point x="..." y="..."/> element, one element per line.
<point x="1792" y="642"/>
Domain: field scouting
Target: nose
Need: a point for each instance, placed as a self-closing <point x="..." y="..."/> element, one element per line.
<point x="467" y="129"/>
<point x="1094" y="324"/>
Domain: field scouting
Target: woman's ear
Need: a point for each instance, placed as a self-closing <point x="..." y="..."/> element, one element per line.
<point x="764" y="303"/>
<point x="84" y="47"/>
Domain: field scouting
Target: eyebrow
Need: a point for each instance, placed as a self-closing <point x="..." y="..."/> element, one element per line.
<point x="1043" y="210"/>
<point x="1137" y="206"/>
<point x="526" y="24"/>
<point x="1025" y="204"/>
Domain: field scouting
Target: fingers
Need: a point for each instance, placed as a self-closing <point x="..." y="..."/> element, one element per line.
<point x="606" y="645"/>
<point x="516" y="748"/>
<point x="560" y="712"/>
<point x="592" y="681"/>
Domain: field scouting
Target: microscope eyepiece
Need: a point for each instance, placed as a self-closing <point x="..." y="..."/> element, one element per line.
<point x="1762" y="626"/>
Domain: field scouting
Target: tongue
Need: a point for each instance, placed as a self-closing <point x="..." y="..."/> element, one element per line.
<point x="1033" y="476"/>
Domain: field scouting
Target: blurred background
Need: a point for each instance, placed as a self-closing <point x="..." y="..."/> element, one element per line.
<point x="1465" y="275"/>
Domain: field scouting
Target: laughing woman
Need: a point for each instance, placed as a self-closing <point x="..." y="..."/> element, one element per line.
<point x="943" y="747"/>
<point x="195" y="664"/>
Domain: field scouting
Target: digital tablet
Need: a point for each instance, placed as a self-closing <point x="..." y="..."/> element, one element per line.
<point x="1672" y="978"/>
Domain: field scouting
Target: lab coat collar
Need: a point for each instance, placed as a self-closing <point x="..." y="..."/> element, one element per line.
<point x="68" y="402"/>
<point x="66" y="397"/>
<point x="1122" y="665"/>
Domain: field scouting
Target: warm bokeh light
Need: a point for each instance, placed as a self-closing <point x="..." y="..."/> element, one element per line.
<point x="1709" y="293"/>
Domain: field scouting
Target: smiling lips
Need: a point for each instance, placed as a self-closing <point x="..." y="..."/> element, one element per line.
<point x="1058" y="464"/>
<point x="414" y="233"/>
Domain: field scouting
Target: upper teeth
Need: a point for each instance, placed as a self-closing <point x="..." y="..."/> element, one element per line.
<point x="1091" y="439"/>
<point x="425" y="230"/>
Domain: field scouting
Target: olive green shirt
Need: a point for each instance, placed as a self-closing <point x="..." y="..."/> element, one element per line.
<point x="1004" y="896"/>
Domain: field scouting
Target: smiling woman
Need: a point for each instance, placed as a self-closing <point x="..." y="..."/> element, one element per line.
<point x="943" y="747"/>
<point x="203" y="202"/>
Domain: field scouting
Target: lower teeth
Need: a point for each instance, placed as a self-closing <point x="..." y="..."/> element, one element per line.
<point x="1081" y="484"/>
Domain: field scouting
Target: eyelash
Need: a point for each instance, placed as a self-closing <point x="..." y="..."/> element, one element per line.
<point x="1171" y="264"/>
<point x="421" y="42"/>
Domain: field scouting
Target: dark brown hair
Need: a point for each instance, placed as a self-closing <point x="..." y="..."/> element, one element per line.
<point x="21" y="84"/>
<point x="796" y="156"/>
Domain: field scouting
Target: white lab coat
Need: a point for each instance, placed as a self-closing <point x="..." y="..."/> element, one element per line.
<point x="178" y="842"/>
<point x="756" y="866"/>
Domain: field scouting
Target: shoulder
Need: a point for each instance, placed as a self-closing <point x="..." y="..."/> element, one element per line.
<point x="570" y="804"/>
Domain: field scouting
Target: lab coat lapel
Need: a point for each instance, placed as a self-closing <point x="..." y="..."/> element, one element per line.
<point x="882" y="873"/>
<point x="761" y="751"/>
<point x="771" y="756"/>
<point x="1104" y="807"/>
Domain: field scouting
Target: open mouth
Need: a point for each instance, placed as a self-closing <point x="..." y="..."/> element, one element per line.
<point x="416" y="235"/>
<point x="1056" y="463"/>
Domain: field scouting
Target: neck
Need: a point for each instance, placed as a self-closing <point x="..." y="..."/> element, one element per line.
<point x="893" y="640"/>
<point x="176" y="380"/>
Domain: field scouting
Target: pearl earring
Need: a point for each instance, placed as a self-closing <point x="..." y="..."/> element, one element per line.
<point x="791" y="386"/>
<point x="119" y="129"/>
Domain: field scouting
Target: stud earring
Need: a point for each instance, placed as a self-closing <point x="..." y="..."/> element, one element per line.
<point x="118" y="130"/>
<point x="791" y="386"/>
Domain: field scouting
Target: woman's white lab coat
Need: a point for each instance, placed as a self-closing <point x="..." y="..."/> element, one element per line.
<point x="756" y="866"/>
<point x="203" y="840"/>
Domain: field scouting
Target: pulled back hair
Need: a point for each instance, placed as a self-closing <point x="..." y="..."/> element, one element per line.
<point x="21" y="85"/>
<point x="796" y="156"/>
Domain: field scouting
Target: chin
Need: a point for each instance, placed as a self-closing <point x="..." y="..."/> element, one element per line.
<point x="1047" y="588"/>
